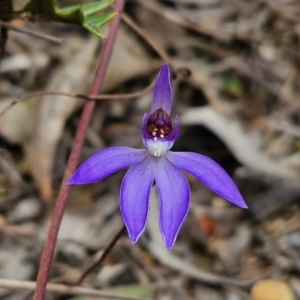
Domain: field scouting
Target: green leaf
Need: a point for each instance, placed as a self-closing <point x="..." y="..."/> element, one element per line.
<point x="94" y="23"/>
<point x="86" y="15"/>
<point x="134" y="290"/>
<point x="91" y="8"/>
<point x="232" y="84"/>
<point x="66" y="12"/>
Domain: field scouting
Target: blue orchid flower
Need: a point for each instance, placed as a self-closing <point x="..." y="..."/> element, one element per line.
<point x="157" y="164"/>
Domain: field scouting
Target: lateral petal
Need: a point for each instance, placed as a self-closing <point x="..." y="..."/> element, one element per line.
<point x="105" y="162"/>
<point x="209" y="173"/>
<point x="174" y="195"/>
<point x="134" y="197"/>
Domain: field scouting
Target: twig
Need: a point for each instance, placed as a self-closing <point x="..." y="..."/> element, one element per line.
<point x="174" y="17"/>
<point x="137" y="254"/>
<point x="181" y="71"/>
<point x="102" y="97"/>
<point x="143" y="33"/>
<point x="74" y="156"/>
<point x="245" y="149"/>
<point x="274" y="89"/>
<point x="36" y="34"/>
<point x="106" y="251"/>
<point x="185" y="268"/>
<point x="62" y="289"/>
<point x="283" y="126"/>
<point x="11" y="171"/>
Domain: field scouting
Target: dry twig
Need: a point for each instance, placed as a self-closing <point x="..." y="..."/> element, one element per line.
<point x="81" y="96"/>
<point x="39" y="35"/>
<point x="62" y="289"/>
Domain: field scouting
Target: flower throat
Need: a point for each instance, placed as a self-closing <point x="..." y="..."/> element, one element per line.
<point x="159" y="124"/>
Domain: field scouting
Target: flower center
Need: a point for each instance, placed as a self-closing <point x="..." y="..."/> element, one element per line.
<point x="159" y="124"/>
<point x="159" y="133"/>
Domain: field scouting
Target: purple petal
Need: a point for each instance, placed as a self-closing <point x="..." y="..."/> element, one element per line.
<point x="162" y="93"/>
<point x="174" y="195"/>
<point x="209" y="173"/>
<point x="134" y="198"/>
<point x="106" y="162"/>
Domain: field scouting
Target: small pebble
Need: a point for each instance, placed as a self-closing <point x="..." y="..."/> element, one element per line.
<point x="28" y="208"/>
<point x="270" y="289"/>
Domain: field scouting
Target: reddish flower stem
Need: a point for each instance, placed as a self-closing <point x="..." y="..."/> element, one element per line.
<point x="105" y="253"/>
<point x="62" y="198"/>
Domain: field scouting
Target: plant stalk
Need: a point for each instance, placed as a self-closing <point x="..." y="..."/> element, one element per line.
<point x="62" y="198"/>
<point x="105" y="253"/>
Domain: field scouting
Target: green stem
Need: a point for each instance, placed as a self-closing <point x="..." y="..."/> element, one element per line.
<point x="74" y="156"/>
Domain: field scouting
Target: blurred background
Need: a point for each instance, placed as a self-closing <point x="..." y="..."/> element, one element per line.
<point x="236" y="86"/>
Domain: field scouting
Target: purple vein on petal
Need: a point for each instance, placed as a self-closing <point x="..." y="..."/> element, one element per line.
<point x="105" y="162"/>
<point x="209" y="173"/>
<point x="174" y="199"/>
<point x="162" y="93"/>
<point x="134" y="197"/>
